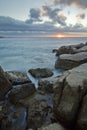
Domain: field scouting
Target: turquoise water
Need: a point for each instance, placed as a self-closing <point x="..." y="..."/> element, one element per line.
<point x="23" y="53"/>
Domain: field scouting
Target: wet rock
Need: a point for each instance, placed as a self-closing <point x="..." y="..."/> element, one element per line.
<point x="21" y="91"/>
<point x="82" y="116"/>
<point x="17" y="78"/>
<point x="41" y="72"/>
<point x="54" y="126"/>
<point x="5" y="85"/>
<point x="69" y="61"/>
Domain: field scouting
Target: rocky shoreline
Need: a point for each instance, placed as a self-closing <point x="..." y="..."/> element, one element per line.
<point x="59" y="103"/>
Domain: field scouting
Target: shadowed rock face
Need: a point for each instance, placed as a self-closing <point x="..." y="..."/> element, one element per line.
<point x="69" y="61"/>
<point x="5" y="85"/>
<point x="40" y="73"/>
<point x="69" y="92"/>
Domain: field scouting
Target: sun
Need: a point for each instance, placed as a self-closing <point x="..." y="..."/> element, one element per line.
<point x="59" y="35"/>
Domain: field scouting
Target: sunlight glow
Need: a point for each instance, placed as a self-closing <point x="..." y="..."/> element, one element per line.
<point x="59" y="35"/>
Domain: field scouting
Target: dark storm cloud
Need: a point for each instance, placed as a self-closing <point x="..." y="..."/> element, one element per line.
<point x="77" y="3"/>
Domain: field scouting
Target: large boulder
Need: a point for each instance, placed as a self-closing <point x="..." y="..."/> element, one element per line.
<point x="69" y="91"/>
<point x="82" y="116"/>
<point x="17" y="78"/>
<point x="69" y="61"/>
<point x="54" y="126"/>
<point x="21" y="92"/>
<point x="41" y="72"/>
<point x="5" y="85"/>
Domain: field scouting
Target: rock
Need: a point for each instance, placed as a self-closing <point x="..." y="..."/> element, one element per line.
<point x="46" y="85"/>
<point x="69" y="91"/>
<point x="70" y="49"/>
<point x="39" y="110"/>
<point x="21" y="91"/>
<point x="17" y="78"/>
<point x="41" y="72"/>
<point x="37" y="114"/>
<point x="69" y="61"/>
<point x="66" y="50"/>
<point x="82" y="117"/>
<point x="5" y="85"/>
<point x="54" y="126"/>
<point x="82" y="49"/>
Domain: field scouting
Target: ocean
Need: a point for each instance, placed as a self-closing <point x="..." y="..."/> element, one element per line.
<point x="24" y="53"/>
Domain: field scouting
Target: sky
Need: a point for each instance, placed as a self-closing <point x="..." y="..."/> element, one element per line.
<point x="62" y="15"/>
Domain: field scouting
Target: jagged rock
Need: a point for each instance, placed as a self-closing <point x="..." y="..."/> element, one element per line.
<point x="5" y="85"/>
<point x="82" y="115"/>
<point x="21" y="91"/>
<point x="69" y="61"/>
<point x="17" y="78"/>
<point x="54" y="126"/>
<point x="41" y="72"/>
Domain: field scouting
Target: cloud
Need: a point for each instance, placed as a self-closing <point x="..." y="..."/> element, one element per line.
<point x="81" y="16"/>
<point x="10" y="24"/>
<point x="77" y="3"/>
<point x="34" y="16"/>
<point x="48" y="14"/>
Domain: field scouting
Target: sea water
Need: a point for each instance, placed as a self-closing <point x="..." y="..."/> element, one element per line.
<point x="23" y="53"/>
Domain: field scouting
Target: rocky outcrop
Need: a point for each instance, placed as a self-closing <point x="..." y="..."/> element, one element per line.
<point x="54" y="126"/>
<point x="5" y="85"/>
<point x="17" y="78"/>
<point x="21" y="92"/>
<point x="41" y="72"/>
<point x="69" y="61"/>
<point x="69" y="91"/>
